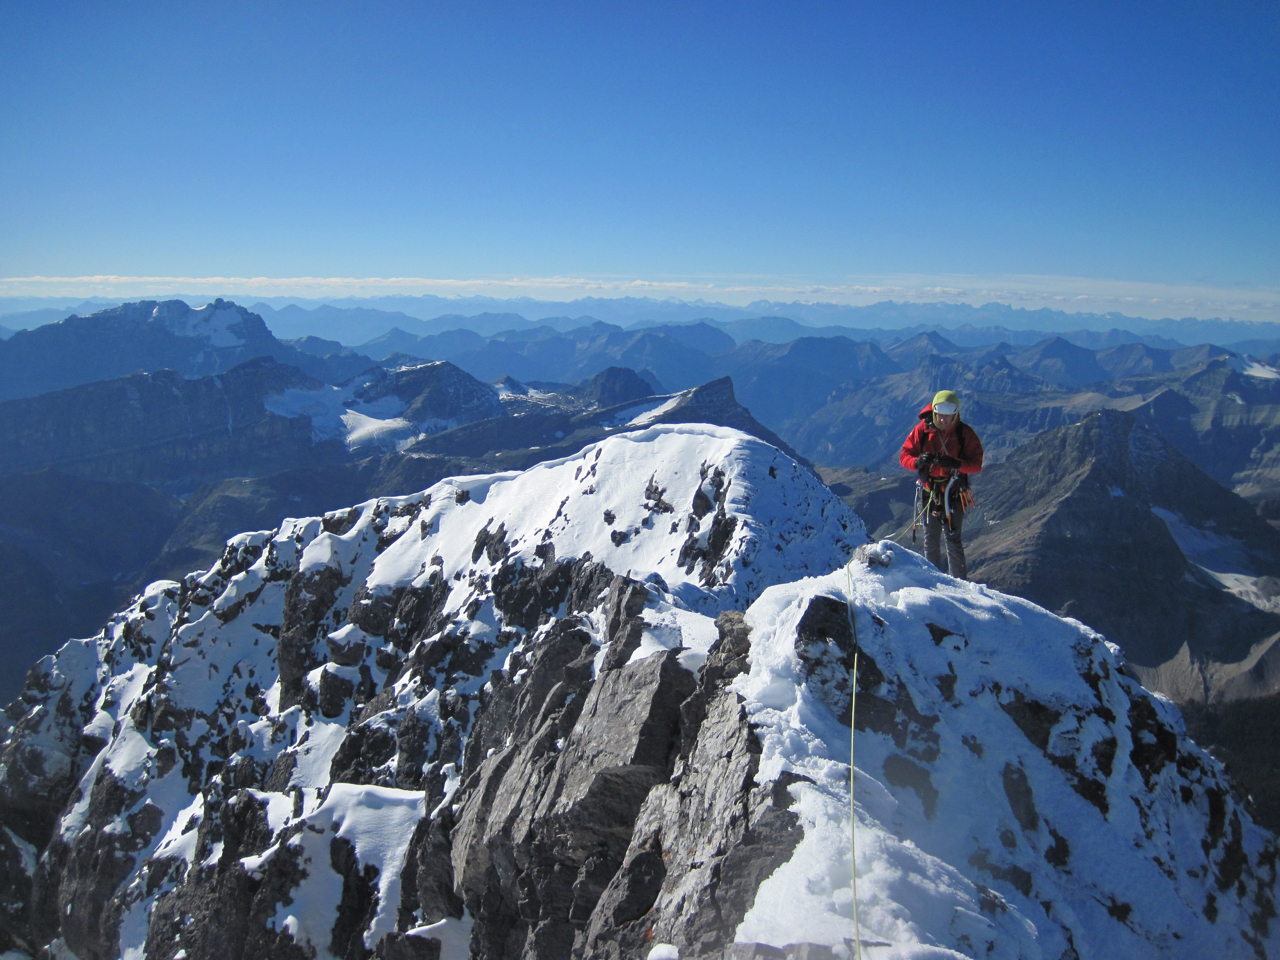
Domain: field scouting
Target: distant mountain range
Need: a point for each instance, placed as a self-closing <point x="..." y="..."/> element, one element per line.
<point x="842" y="402"/>
<point x="150" y="335"/>
<point x="355" y="319"/>
<point x="882" y="322"/>
<point x="836" y="400"/>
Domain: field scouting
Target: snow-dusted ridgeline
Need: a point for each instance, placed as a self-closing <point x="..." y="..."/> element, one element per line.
<point x="601" y="708"/>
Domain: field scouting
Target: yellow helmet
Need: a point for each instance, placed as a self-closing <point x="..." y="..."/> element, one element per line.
<point x="946" y="401"/>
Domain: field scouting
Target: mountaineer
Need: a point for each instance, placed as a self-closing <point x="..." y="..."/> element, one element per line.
<point x="943" y="450"/>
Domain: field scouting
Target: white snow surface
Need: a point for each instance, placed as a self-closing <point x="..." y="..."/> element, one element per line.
<point x="1252" y="368"/>
<point x="358" y="412"/>
<point x="1015" y="796"/>
<point x="784" y="522"/>
<point x="378" y="822"/>
<point x="943" y="860"/>
<point x="210" y="322"/>
<point x="337" y="412"/>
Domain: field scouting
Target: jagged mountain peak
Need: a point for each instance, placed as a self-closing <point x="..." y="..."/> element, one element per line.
<point x="602" y="708"/>
<point x="1061" y="362"/>
<point x="221" y="323"/>
<point x="922" y="344"/>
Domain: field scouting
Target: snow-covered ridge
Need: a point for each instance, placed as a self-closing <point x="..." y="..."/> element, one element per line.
<point x="601" y="708"/>
<point x="760" y="517"/>
<point x="1055" y="807"/>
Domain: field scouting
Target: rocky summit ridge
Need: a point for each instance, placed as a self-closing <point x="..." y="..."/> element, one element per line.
<point x="602" y="707"/>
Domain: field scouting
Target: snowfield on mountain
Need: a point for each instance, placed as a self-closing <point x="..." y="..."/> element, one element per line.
<point x="602" y="707"/>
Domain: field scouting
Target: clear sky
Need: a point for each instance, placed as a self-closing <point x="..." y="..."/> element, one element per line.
<point x="724" y="150"/>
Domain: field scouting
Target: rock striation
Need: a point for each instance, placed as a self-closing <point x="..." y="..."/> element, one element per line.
<point x="602" y="707"/>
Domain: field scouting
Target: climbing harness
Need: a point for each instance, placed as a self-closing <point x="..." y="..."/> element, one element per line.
<point x="853" y="705"/>
<point x="915" y="522"/>
<point x="927" y="494"/>
<point x="946" y="499"/>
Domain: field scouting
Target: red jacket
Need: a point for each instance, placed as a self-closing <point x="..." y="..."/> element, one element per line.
<point x="961" y="443"/>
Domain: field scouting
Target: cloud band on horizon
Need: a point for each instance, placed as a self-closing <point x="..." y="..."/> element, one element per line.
<point x="1072" y="294"/>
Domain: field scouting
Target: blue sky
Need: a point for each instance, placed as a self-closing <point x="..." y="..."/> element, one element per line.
<point x="724" y="150"/>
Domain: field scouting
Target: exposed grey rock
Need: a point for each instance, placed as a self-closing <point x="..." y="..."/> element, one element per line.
<point x="401" y="946"/>
<point x="546" y="824"/>
<point x="220" y="910"/>
<point x="494" y="743"/>
<point x="715" y="805"/>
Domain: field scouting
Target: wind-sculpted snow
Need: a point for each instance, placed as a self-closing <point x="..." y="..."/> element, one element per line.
<point x="601" y="708"/>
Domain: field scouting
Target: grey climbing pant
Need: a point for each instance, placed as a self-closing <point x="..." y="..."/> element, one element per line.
<point x="935" y="528"/>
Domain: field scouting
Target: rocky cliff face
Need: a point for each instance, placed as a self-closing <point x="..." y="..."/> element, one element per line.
<point x="160" y="428"/>
<point x="602" y="708"/>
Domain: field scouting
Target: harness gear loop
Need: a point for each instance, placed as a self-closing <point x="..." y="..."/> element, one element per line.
<point x="946" y="499"/>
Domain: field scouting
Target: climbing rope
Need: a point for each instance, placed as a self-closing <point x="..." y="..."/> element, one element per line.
<point x="853" y="704"/>
<point x="924" y="502"/>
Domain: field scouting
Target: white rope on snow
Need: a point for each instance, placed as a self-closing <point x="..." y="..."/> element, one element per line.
<point x="853" y="703"/>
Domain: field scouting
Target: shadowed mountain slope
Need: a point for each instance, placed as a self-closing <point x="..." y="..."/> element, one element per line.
<point x="1061" y="363"/>
<point x="1106" y="522"/>
<point x="72" y="550"/>
<point x="161" y="428"/>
